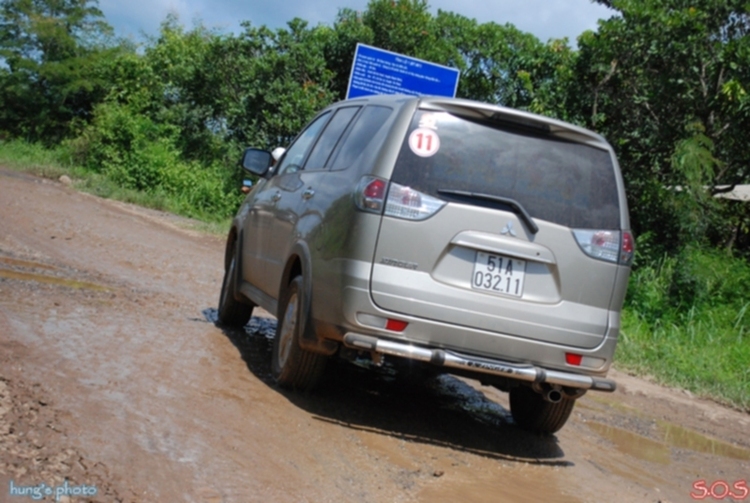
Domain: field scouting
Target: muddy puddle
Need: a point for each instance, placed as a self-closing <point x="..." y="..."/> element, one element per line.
<point x="632" y="444"/>
<point x="668" y="436"/>
<point x="51" y="280"/>
<point x="25" y="263"/>
<point x="682" y="438"/>
<point x="25" y="270"/>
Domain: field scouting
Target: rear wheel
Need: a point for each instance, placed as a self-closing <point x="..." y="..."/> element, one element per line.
<point x="292" y="366"/>
<point x="533" y="413"/>
<point x="232" y="313"/>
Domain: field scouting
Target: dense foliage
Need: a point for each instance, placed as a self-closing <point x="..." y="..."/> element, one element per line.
<point x="665" y="81"/>
<point x="51" y="50"/>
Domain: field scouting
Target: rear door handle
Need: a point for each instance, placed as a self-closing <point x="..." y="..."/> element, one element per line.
<point x="276" y="197"/>
<point x="308" y="193"/>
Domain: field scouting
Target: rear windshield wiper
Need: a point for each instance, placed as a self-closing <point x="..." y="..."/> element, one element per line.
<point x="512" y="203"/>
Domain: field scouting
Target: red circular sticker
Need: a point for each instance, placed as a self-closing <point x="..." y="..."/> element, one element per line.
<point x="424" y="142"/>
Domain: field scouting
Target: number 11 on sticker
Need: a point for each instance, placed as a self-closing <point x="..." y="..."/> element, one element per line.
<point x="427" y="139"/>
<point x="424" y="142"/>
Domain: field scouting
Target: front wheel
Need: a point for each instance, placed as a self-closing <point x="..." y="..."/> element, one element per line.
<point x="232" y="313"/>
<point x="292" y="366"/>
<point x="533" y="413"/>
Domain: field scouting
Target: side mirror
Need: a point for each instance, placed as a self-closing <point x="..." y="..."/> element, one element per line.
<point x="256" y="161"/>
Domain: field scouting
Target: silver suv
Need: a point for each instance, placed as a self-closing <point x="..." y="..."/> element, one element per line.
<point x="483" y="240"/>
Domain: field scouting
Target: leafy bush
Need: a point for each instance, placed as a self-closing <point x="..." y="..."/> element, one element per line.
<point x="695" y="278"/>
<point x="136" y="153"/>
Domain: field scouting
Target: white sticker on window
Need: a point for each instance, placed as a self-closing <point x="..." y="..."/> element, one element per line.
<point x="424" y="142"/>
<point x="428" y="121"/>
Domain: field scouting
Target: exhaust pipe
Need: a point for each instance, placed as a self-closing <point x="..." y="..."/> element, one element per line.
<point x="553" y="395"/>
<point x="550" y="393"/>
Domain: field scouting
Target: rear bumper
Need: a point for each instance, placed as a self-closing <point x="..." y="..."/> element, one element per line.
<point x="455" y="360"/>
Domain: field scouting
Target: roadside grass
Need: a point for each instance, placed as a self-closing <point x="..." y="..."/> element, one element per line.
<point x="686" y="325"/>
<point x="35" y="159"/>
<point x="706" y="355"/>
<point x="52" y="163"/>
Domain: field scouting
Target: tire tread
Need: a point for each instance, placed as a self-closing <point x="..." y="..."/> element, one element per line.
<point x="304" y="369"/>
<point x="532" y="413"/>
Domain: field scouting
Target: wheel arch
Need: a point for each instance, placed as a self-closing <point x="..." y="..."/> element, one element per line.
<point x="234" y="310"/>
<point x="232" y="245"/>
<point x="299" y="263"/>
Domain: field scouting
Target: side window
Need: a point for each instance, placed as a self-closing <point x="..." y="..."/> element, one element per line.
<point x="295" y="156"/>
<point x="365" y="129"/>
<point x="330" y="137"/>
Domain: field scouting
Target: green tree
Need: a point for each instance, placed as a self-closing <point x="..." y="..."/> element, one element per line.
<point x="403" y="26"/>
<point x="340" y="43"/>
<point x="175" y="59"/>
<point x="666" y="81"/>
<point x="498" y="63"/>
<point x="262" y="86"/>
<point x="192" y="99"/>
<point x="501" y="64"/>
<point x="51" y="50"/>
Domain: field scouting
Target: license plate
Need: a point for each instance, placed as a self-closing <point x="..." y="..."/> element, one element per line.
<point x="498" y="274"/>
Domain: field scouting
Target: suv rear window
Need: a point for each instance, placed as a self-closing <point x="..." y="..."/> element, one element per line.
<point x="556" y="180"/>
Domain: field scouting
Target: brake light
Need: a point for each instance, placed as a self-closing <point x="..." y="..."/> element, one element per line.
<point x="628" y="248"/>
<point x="612" y="246"/>
<point x="370" y="194"/>
<point x="375" y="189"/>
<point x="401" y="202"/>
<point x="410" y="204"/>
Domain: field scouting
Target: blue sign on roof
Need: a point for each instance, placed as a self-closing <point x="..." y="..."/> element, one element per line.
<point x="376" y="71"/>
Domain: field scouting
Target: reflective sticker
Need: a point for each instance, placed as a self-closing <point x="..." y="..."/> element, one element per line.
<point x="428" y="121"/>
<point x="424" y="142"/>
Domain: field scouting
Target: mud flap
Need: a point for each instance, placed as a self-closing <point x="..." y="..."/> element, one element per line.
<point x="309" y="340"/>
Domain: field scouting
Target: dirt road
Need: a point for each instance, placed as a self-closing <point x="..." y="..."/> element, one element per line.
<point x="114" y="376"/>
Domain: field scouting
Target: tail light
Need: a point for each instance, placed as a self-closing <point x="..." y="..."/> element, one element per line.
<point x="400" y="202"/>
<point x="370" y="194"/>
<point x="612" y="246"/>
<point x="628" y="248"/>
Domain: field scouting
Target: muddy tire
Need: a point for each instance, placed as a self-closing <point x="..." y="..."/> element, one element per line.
<point x="232" y="313"/>
<point x="293" y="367"/>
<point x="532" y="413"/>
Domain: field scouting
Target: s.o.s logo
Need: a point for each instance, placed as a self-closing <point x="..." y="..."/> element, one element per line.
<point x="720" y="490"/>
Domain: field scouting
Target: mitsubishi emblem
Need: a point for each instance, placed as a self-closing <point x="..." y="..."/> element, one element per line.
<point x="508" y="229"/>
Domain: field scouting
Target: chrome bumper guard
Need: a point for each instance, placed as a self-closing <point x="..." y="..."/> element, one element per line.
<point x="450" y="359"/>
